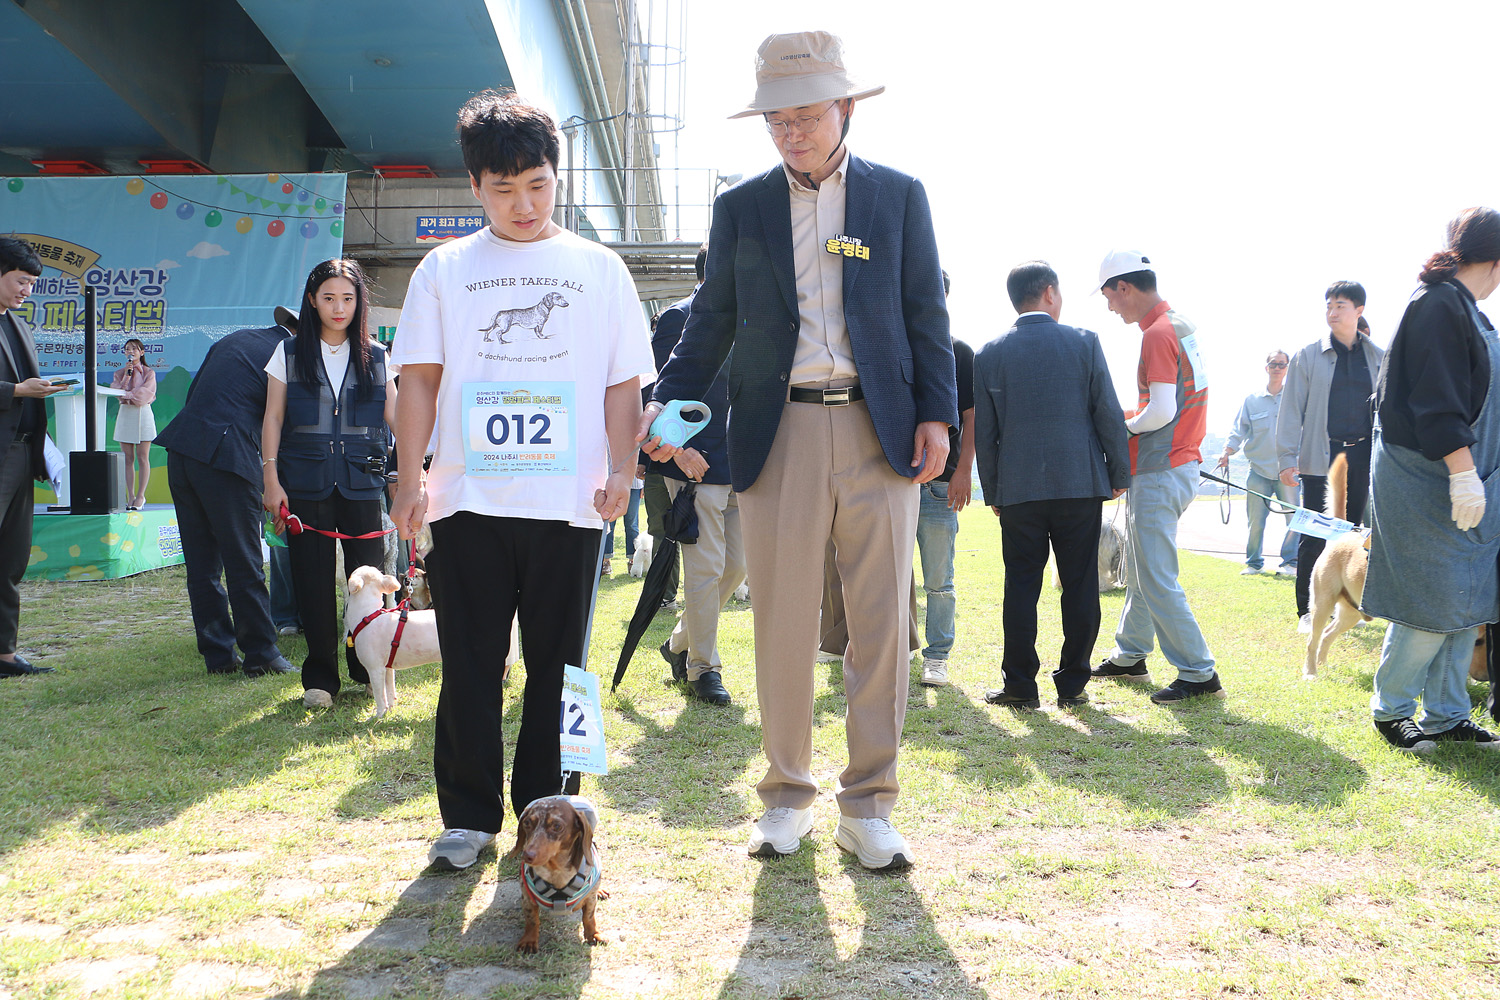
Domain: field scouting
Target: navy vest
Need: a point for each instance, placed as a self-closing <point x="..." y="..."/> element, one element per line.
<point x="333" y="442"/>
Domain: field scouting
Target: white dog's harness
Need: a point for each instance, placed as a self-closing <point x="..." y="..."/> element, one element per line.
<point x="403" y="609"/>
<point x="567" y="898"/>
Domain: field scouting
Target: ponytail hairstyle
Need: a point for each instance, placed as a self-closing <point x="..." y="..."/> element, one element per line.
<point x="309" y="328"/>
<point x="1362" y="326"/>
<point x="1473" y="238"/>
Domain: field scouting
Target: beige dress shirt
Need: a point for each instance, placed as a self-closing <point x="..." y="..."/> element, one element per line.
<point x="823" y="351"/>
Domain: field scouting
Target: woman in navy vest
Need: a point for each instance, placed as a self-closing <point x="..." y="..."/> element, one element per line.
<point x="329" y="400"/>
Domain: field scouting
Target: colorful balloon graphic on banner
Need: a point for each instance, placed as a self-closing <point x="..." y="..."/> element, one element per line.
<point x="185" y="210"/>
<point x="276" y="227"/>
<point x="336" y="228"/>
<point x="309" y="230"/>
<point x="135" y="185"/>
<point x="212" y="219"/>
<point x="159" y="200"/>
<point x="243" y="224"/>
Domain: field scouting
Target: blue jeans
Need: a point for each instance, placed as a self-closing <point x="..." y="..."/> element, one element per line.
<point x="1156" y="608"/>
<point x="632" y="526"/>
<point x="937" y="527"/>
<point x="1256" y="510"/>
<point x="1431" y="664"/>
<point x="283" y="596"/>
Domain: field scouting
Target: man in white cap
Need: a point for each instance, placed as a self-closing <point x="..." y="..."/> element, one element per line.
<point x="823" y="276"/>
<point x="1166" y="433"/>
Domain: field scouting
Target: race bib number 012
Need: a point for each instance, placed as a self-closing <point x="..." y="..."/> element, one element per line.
<point x="581" y="727"/>
<point x="519" y="430"/>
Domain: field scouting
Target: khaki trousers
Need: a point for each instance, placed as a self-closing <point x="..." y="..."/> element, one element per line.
<point x="826" y="478"/>
<point x="712" y="568"/>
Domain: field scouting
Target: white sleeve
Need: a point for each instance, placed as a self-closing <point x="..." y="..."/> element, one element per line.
<point x="276" y="366"/>
<point x="419" y="332"/>
<point x="1158" y="412"/>
<point x="630" y="348"/>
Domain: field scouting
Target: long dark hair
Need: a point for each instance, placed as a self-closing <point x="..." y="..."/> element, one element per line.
<point x="1473" y="238"/>
<point x="310" y="328"/>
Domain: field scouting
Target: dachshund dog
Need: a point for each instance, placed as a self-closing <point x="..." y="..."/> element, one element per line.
<point x="559" y="864"/>
<point x="531" y="318"/>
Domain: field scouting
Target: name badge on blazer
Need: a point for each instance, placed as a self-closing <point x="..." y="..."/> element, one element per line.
<point x="847" y="246"/>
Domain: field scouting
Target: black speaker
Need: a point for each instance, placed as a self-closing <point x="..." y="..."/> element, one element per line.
<point x="96" y="482"/>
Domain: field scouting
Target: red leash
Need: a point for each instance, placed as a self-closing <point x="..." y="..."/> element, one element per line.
<point x="295" y="526"/>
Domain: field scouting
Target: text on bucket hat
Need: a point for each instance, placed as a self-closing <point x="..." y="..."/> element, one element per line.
<point x="1118" y="262"/>
<point x="801" y="68"/>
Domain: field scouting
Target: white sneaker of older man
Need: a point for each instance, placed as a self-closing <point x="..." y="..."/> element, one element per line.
<point x="874" y="841"/>
<point x="779" y="831"/>
<point x="458" y="849"/>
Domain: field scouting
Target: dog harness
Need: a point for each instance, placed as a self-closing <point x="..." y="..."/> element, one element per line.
<point x="567" y="898"/>
<point x="403" y="609"/>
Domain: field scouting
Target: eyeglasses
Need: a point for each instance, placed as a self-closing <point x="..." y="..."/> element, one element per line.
<point x="1275" y="364"/>
<point x="803" y="123"/>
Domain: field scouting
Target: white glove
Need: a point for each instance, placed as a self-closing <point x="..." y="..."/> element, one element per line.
<point x="1466" y="493"/>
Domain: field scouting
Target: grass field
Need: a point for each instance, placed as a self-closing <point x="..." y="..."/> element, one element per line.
<point x="164" y="833"/>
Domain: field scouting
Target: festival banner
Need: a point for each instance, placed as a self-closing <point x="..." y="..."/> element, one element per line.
<point x="177" y="262"/>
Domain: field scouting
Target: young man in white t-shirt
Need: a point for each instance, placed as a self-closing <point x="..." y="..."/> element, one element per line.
<point x="527" y="346"/>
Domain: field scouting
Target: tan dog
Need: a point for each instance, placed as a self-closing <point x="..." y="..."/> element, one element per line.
<point x="559" y="864"/>
<point x="368" y="588"/>
<point x="1338" y="577"/>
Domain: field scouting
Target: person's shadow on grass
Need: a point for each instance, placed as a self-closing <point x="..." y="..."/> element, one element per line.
<point x="790" y="948"/>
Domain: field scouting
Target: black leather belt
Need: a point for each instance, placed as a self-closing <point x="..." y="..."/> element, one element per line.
<point x="828" y="397"/>
<point x="1348" y="444"/>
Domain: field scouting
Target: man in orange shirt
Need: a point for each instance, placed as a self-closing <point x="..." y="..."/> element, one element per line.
<point x="1166" y="431"/>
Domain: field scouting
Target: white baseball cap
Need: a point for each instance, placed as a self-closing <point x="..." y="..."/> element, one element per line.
<point x="1118" y="262"/>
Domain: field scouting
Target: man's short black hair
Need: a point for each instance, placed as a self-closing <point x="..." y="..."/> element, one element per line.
<point x="1351" y="290"/>
<point x="1026" y="282"/>
<point x="501" y="133"/>
<point x="1144" y="280"/>
<point x="17" y="255"/>
<point x="700" y="262"/>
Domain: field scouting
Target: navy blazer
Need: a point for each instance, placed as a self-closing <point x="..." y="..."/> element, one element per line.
<point x="1047" y="422"/>
<point x="219" y="423"/>
<point x="11" y="405"/>
<point x="893" y="308"/>
<point x="710" y="442"/>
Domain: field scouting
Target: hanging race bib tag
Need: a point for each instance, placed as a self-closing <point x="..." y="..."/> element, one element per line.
<point x="1319" y="525"/>
<point x="519" y="429"/>
<point x="581" y="724"/>
<point x="1195" y="356"/>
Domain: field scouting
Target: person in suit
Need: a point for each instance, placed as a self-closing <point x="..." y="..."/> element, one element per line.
<point x="23" y="430"/>
<point x="214" y="473"/>
<point x="823" y="277"/>
<point x="1051" y="443"/>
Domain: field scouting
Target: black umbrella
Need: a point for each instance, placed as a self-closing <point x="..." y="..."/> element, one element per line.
<point x="681" y="528"/>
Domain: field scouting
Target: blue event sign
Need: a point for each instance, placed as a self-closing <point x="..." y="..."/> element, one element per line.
<point x="177" y="261"/>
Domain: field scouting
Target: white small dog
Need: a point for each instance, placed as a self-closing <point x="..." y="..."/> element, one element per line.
<point x="641" y="561"/>
<point x="368" y="588"/>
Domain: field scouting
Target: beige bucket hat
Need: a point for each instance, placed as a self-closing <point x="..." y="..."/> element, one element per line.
<point x="805" y="67"/>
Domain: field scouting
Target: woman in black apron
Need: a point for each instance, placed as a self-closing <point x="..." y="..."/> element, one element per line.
<point x="1435" y="475"/>
<point x="329" y="400"/>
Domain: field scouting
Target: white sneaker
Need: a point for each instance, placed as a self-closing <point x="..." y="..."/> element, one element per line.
<point x="317" y="698"/>
<point x="458" y="849"/>
<point x="779" y="831"/>
<point x="1285" y="570"/>
<point x="874" y="841"/>
<point x="1249" y="571"/>
<point x="1304" y="624"/>
<point x="934" y="672"/>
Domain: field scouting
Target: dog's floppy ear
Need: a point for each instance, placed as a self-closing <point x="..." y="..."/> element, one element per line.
<point x="523" y="829"/>
<point x="389" y="584"/>
<point x="581" y="840"/>
<point x="356" y="582"/>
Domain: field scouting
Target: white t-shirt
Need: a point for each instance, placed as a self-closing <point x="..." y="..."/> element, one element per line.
<point x="529" y="336"/>
<point x="335" y="364"/>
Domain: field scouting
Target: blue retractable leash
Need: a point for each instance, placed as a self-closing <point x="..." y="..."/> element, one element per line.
<point x="675" y="427"/>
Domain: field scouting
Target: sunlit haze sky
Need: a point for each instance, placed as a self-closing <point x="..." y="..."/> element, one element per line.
<point x="1255" y="152"/>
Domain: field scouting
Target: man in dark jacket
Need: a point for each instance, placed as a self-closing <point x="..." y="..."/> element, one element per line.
<point x="214" y="472"/>
<point x="23" y="426"/>
<point x="1051" y="443"/>
<point x="823" y="277"/>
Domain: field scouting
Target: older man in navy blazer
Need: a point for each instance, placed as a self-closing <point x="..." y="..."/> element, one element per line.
<point x="823" y="276"/>
<point x="1051" y="442"/>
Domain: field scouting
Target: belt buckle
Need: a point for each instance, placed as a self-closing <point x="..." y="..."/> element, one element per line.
<point x="836" y="397"/>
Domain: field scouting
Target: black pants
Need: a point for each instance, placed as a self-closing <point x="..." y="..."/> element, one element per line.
<point x="1314" y="495"/>
<point x="1072" y="529"/>
<point x="312" y="580"/>
<point x="483" y="571"/>
<point x="17" y="493"/>
<point x="219" y="519"/>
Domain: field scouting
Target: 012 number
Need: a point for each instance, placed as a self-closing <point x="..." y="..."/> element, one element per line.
<point x="498" y="429"/>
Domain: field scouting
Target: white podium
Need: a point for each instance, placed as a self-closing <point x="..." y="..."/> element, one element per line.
<point x="72" y="423"/>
